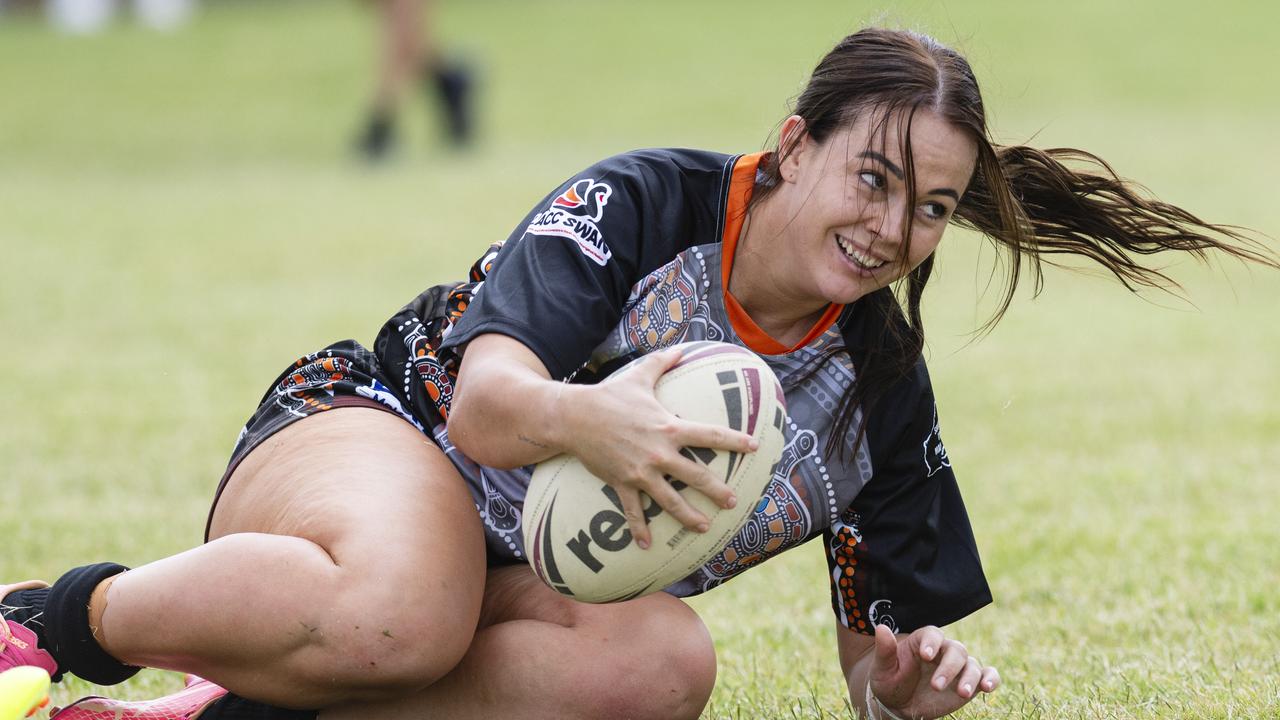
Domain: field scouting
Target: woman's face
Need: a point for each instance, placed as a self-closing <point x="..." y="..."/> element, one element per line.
<point x="846" y="200"/>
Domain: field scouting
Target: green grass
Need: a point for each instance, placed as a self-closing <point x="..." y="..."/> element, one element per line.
<point x="176" y="211"/>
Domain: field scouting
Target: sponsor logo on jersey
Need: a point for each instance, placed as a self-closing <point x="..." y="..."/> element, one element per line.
<point x="574" y="214"/>
<point x="935" y="453"/>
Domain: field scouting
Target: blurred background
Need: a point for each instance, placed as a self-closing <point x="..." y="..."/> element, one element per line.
<point x="186" y="206"/>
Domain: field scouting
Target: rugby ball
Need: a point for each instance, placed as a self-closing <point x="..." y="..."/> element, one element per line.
<point x="575" y="534"/>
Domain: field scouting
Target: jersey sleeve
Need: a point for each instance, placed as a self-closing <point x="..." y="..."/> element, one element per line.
<point x="903" y="553"/>
<point x="559" y="283"/>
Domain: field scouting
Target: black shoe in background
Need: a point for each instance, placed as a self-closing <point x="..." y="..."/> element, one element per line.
<point x="376" y="140"/>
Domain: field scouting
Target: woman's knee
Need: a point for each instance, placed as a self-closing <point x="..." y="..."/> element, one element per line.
<point x="647" y="658"/>
<point x="385" y="640"/>
<point x="393" y="622"/>
<point x="668" y="670"/>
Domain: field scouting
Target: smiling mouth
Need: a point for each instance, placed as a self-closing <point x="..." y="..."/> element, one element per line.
<point x="859" y="258"/>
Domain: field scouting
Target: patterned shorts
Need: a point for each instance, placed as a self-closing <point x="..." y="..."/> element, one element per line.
<point x="345" y="374"/>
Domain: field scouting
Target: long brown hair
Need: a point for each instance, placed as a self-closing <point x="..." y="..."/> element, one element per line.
<point x="1032" y="204"/>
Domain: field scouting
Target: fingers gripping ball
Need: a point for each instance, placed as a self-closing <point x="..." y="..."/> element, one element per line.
<point x="575" y="532"/>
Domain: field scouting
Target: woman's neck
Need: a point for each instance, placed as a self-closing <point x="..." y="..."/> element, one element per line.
<point x="764" y="280"/>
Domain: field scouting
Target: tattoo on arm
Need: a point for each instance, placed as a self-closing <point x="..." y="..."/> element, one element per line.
<point x="533" y="442"/>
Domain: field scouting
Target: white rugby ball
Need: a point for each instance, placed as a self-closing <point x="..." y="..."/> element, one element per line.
<point x="575" y="534"/>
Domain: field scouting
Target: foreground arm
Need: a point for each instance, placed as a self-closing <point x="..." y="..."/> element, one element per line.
<point x="921" y="675"/>
<point x="508" y="412"/>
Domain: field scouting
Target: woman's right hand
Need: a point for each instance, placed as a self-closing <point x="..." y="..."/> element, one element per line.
<point x="625" y="437"/>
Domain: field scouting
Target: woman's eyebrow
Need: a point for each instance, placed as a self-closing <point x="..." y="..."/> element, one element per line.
<point x="873" y="155"/>
<point x="897" y="172"/>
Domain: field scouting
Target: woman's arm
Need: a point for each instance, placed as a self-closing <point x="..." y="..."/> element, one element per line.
<point x="508" y="412"/>
<point x="921" y="675"/>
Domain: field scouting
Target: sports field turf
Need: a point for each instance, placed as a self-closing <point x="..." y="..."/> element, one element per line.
<point x="180" y="217"/>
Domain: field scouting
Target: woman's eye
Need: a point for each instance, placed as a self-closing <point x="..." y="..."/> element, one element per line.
<point x="934" y="211"/>
<point x="871" y="179"/>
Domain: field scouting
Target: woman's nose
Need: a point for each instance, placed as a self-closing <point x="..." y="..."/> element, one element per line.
<point x="888" y="225"/>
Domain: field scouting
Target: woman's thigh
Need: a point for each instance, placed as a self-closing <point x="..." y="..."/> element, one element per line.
<point x="391" y="512"/>
<point x="363" y="484"/>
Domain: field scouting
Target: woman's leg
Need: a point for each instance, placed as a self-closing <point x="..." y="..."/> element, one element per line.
<point x="539" y="654"/>
<point x="346" y="562"/>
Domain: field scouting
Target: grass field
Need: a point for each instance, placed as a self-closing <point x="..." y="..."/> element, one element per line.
<point x="178" y="212"/>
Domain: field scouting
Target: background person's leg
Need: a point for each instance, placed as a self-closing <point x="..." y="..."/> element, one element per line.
<point x="539" y="654"/>
<point x="346" y="562"/>
<point x="403" y="50"/>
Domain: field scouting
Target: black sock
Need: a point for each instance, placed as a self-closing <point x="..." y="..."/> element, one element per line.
<point x="234" y="707"/>
<point x="67" y="634"/>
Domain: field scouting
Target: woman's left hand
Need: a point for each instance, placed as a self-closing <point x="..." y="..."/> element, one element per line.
<point x="925" y="675"/>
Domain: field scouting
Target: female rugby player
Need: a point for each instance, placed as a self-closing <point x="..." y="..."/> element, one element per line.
<point x="364" y="554"/>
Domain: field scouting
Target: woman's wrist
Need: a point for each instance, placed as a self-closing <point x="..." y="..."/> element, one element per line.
<point x="511" y="419"/>
<point x="560" y="428"/>
<point x="877" y="710"/>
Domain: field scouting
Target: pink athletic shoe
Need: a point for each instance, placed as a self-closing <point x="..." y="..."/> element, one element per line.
<point x="185" y="704"/>
<point x="18" y="642"/>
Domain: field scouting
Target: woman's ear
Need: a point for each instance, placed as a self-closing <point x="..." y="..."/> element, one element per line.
<point x="793" y="141"/>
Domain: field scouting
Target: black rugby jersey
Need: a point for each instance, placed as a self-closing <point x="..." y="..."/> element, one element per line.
<point x="633" y="255"/>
